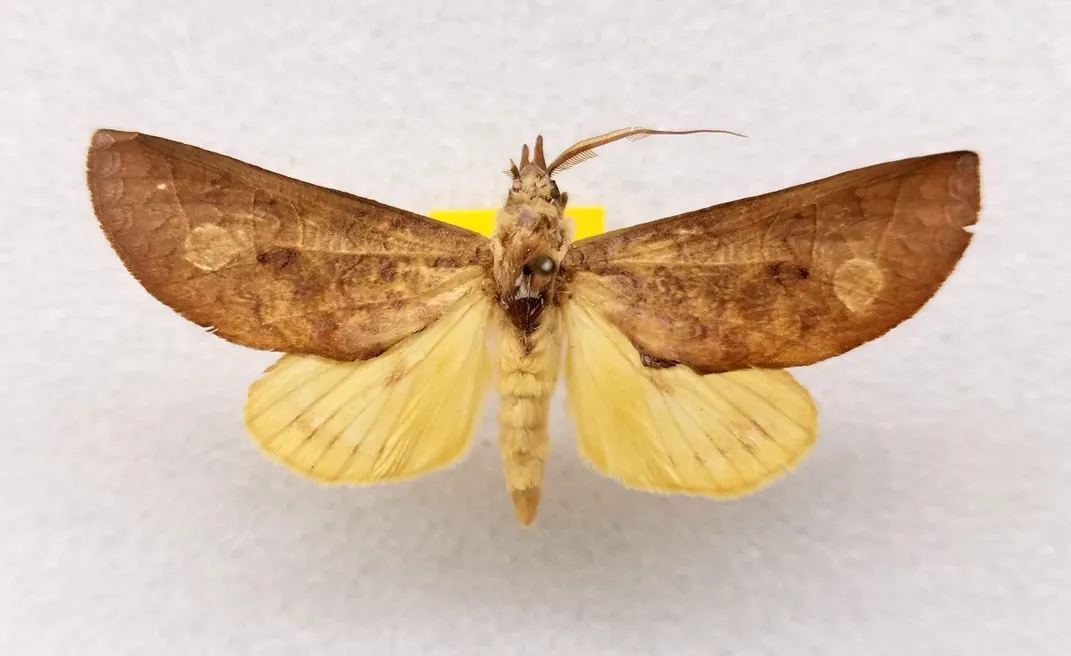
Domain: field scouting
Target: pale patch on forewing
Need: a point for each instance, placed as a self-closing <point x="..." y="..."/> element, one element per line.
<point x="210" y="247"/>
<point x="857" y="283"/>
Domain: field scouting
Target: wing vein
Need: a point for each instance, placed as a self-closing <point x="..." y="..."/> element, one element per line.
<point x="731" y="432"/>
<point x="274" y="436"/>
<point x="771" y="404"/>
<point x="707" y="436"/>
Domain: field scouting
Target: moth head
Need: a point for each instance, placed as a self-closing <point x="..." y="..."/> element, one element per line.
<point x="531" y="181"/>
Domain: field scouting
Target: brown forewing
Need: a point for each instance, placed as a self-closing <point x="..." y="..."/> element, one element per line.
<point x="787" y="278"/>
<point x="270" y="262"/>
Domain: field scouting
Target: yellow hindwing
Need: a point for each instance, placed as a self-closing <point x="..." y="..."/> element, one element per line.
<point x="404" y="413"/>
<point x="673" y="430"/>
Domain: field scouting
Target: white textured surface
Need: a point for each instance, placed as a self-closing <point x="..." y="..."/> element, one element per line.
<point x="933" y="517"/>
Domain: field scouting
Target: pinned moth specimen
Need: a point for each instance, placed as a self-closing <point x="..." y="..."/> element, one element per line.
<point x="673" y="336"/>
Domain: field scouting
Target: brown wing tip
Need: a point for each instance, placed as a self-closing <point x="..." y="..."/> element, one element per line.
<point x="965" y="185"/>
<point x="98" y="160"/>
<point x="101" y="140"/>
<point x="105" y="138"/>
<point x="966" y="162"/>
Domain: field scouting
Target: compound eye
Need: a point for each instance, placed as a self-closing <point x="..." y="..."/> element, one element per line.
<point x="542" y="264"/>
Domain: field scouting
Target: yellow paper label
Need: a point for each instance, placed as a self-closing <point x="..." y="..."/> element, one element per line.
<point x="587" y="221"/>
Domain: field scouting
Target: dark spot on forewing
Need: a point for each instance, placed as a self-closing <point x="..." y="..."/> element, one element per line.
<point x="387" y="270"/>
<point x="786" y="272"/>
<point x="445" y="262"/>
<point x="278" y="259"/>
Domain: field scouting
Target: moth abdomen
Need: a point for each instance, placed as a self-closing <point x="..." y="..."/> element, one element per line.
<point x="527" y="366"/>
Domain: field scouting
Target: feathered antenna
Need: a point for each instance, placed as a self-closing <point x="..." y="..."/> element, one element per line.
<point x="585" y="149"/>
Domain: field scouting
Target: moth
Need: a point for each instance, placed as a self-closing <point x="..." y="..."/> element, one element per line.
<point x="673" y="336"/>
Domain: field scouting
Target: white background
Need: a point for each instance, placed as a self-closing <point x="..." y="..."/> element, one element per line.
<point x="136" y="517"/>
